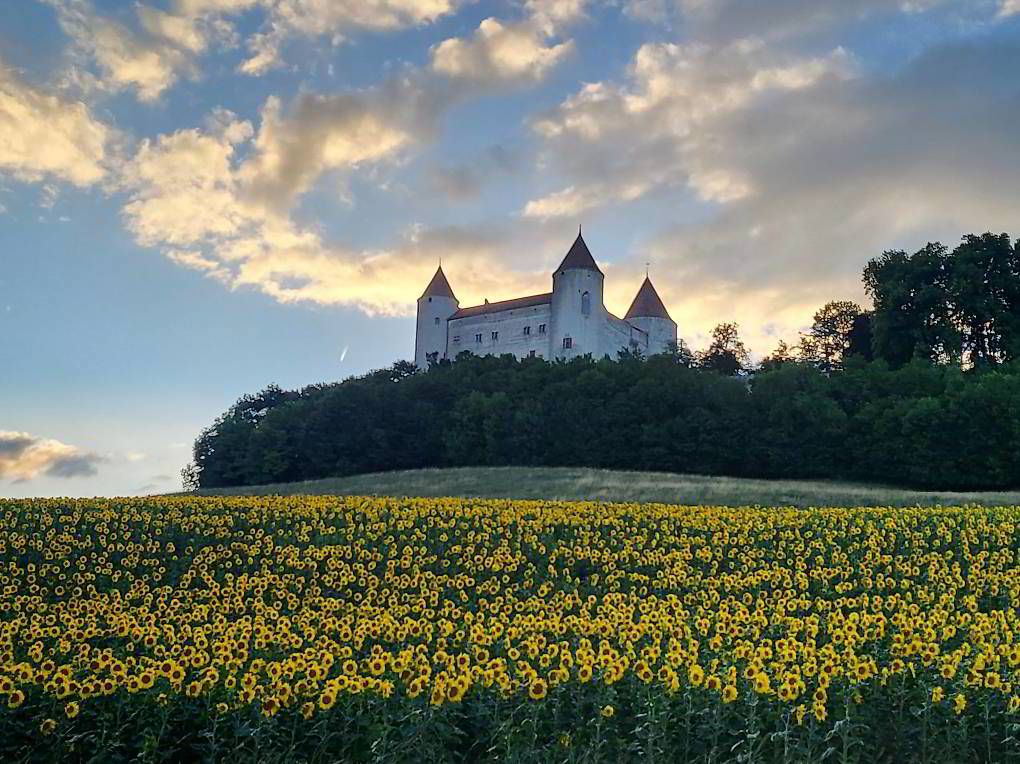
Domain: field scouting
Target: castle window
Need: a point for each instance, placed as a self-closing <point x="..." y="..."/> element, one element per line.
<point x="478" y="338"/>
<point x="456" y="338"/>
<point x="541" y="328"/>
<point x="531" y="354"/>
<point x="495" y="336"/>
<point x="527" y="331"/>
<point x="585" y="304"/>
<point x="567" y="343"/>
<point x="437" y="320"/>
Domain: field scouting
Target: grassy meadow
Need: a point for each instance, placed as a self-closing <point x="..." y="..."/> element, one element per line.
<point x="582" y="484"/>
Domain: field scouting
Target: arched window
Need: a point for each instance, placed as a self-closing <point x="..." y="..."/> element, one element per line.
<point x="585" y="304"/>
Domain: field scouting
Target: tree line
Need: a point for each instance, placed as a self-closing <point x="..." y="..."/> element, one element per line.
<point x="923" y="389"/>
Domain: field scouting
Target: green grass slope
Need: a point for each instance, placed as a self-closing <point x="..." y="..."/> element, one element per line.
<point x="566" y="483"/>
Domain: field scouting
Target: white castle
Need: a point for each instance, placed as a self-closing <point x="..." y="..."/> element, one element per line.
<point x="568" y="322"/>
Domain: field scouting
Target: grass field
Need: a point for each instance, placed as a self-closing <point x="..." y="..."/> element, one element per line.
<point x="579" y="484"/>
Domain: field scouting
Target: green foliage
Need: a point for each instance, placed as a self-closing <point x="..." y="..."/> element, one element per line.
<point x="948" y="307"/>
<point x="726" y="352"/>
<point x="922" y="425"/>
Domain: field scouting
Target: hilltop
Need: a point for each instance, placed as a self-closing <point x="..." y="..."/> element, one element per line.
<point x="567" y="483"/>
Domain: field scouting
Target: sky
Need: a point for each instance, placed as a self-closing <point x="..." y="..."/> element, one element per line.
<point x="202" y="197"/>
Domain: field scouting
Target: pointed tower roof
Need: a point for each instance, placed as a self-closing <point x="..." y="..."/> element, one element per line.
<point x="439" y="286"/>
<point x="579" y="257"/>
<point x="647" y="303"/>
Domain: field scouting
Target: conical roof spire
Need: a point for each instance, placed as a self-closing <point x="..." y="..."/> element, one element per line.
<point x="439" y="286"/>
<point x="647" y="303"/>
<point x="579" y="256"/>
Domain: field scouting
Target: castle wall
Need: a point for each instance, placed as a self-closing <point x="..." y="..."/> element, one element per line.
<point x="510" y="325"/>
<point x="430" y="328"/>
<point x="568" y="317"/>
<point x="661" y="333"/>
<point x="618" y="335"/>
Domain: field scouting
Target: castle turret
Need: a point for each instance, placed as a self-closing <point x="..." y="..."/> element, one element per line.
<point x="578" y="311"/>
<point x="435" y="307"/>
<point x="649" y="314"/>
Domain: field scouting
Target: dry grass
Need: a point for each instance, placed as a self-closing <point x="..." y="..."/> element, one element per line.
<point x="566" y="483"/>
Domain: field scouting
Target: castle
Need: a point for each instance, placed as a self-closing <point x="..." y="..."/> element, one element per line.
<point x="568" y="322"/>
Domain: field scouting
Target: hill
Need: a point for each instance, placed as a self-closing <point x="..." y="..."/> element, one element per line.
<point x="566" y="483"/>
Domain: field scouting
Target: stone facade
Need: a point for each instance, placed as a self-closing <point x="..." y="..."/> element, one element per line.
<point x="568" y="322"/>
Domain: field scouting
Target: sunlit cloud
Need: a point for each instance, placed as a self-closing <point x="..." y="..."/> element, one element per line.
<point x="45" y="136"/>
<point x="25" y="457"/>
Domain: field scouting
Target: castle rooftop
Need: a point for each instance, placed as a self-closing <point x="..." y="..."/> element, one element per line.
<point x="579" y="257"/>
<point x="647" y="303"/>
<point x="439" y="286"/>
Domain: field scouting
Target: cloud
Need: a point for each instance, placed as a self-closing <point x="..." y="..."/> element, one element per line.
<point x="736" y="19"/>
<point x="76" y="144"/>
<point x="220" y="199"/>
<point x="500" y="52"/>
<point x="216" y="200"/>
<point x="157" y="47"/>
<point x="1009" y="8"/>
<point x="148" y="57"/>
<point x="287" y="19"/>
<point x="24" y="457"/>
<point x="619" y="142"/>
<point x="343" y="131"/>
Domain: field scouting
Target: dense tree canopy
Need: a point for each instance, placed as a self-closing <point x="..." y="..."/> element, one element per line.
<point x="923" y="390"/>
<point x="922" y="424"/>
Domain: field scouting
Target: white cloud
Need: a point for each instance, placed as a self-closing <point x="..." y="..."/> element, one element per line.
<point x="619" y="142"/>
<point x="75" y="143"/>
<point x="571" y="201"/>
<point x="148" y="59"/>
<point x="24" y="457"/>
<point x="1009" y="8"/>
<point x="158" y="46"/>
<point x="551" y="15"/>
<point x="287" y="19"/>
<point x="499" y="52"/>
<point x="335" y="132"/>
<point x="194" y="197"/>
<point x="508" y="52"/>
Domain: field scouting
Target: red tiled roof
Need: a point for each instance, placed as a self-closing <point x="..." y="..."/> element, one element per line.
<point x="647" y="303"/>
<point x="439" y="286"/>
<point x="499" y="307"/>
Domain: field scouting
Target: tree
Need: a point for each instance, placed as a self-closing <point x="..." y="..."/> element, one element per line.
<point x="913" y="316"/>
<point x="861" y="340"/>
<point x="680" y="354"/>
<point x="984" y="285"/>
<point x="726" y="354"/>
<point x="827" y="343"/>
<point x="781" y="356"/>
<point x="190" y="478"/>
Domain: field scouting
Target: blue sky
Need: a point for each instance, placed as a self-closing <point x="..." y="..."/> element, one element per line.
<point x="201" y="197"/>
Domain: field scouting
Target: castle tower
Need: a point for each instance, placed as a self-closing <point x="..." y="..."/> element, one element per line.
<point x="649" y="314"/>
<point x="578" y="311"/>
<point x="435" y="307"/>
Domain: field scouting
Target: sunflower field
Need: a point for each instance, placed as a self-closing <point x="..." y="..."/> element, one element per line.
<point x="372" y="629"/>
